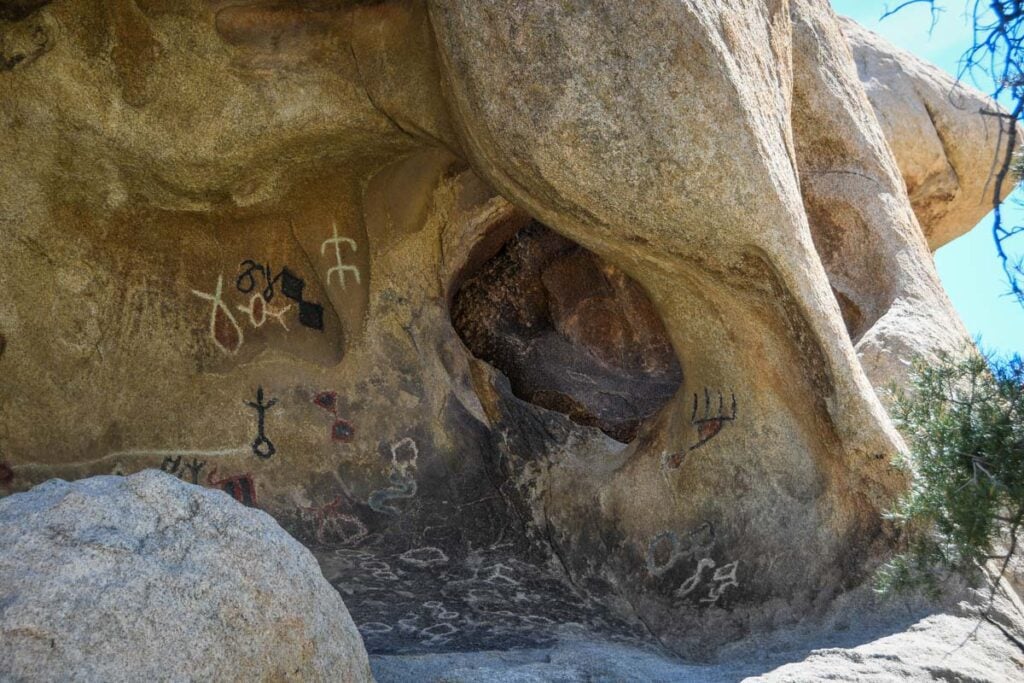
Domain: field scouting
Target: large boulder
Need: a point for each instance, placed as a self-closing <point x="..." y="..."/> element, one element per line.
<point x="149" y="578"/>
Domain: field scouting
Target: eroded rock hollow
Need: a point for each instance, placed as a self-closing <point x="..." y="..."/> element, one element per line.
<point x="520" y="314"/>
<point x="572" y="333"/>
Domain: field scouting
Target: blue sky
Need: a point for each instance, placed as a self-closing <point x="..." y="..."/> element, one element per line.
<point x="968" y="266"/>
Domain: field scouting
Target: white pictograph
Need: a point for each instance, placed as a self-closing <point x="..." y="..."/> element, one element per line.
<point x="331" y="524"/>
<point x="341" y="268"/>
<point x="425" y="557"/>
<point x="723" y="577"/>
<point x="691" y="583"/>
<point x="666" y="549"/>
<point x="224" y="329"/>
<point x="259" y="310"/>
<point x="186" y="452"/>
<point x="402" y="478"/>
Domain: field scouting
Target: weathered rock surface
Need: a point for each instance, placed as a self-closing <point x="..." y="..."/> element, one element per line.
<point x="936" y="648"/>
<point x="864" y="231"/>
<point x="865" y="640"/>
<point x="946" y="136"/>
<point x="235" y="235"/>
<point x="147" y="578"/>
<point x="939" y="648"/>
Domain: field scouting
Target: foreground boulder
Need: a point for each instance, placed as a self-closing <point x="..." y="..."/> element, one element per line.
<point x="148" y="578"/>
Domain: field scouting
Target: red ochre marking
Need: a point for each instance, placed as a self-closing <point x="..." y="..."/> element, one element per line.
<point x="708" y="429"/>
<point x="225" y="332"/>
<point x="257" y="310"/>
<point x="328" y="400"/>
<point x="342" y="430"/>
<point x="241" y="487"/>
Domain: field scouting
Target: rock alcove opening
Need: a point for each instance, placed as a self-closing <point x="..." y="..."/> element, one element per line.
<point x="572" y="333"/>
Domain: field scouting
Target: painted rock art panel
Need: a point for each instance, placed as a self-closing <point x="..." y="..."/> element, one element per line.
<point x="496" y="350"/>
<point x="263" y="299"/>
<point x="491" y="600"/>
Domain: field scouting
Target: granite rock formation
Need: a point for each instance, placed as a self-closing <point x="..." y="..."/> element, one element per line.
<point x="406" y="275"/>
<point x="933" y="127"/>
<point x="147" y="578"/>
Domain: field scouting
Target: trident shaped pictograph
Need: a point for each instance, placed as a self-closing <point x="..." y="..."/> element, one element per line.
<point x="342" y="267"/>
<point x="708" y="424"/>
<point x="711" y="423"/>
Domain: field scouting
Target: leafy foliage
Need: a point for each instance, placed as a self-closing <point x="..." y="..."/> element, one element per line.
<point x="963" y="418"/>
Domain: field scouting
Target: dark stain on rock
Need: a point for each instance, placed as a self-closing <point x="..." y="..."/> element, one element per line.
<point x="22" y="43"/>
<point x="573" y="334"/>
<point x="134" y="51"/>
<point x="16" y="10"/>
<point x="853" y="317"/>
<point x="6" y="474"/>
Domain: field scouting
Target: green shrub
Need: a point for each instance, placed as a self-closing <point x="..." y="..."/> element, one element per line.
<point x="963" y="419"/>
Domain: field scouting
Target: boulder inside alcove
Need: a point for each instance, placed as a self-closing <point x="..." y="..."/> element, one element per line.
<point x="573" y="333"/>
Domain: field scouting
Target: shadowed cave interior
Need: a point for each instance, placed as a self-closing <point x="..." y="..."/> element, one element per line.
<point x="572" y="333"/>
